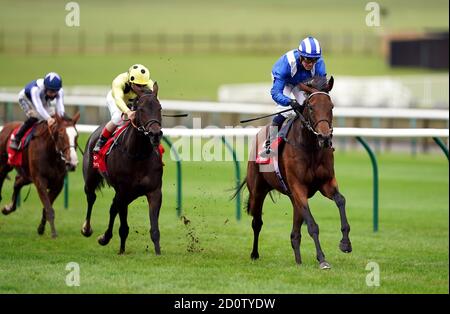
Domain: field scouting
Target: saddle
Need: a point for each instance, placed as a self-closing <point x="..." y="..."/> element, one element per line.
<point x="277" y="146"/>
<point x="15" y="157"/>
<point x="99" y="159"/>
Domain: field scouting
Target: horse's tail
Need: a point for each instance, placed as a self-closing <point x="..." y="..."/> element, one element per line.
<point x="239" y="189"/>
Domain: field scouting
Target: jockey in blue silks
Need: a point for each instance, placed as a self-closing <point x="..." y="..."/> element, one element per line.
<point x="294" y="67"/>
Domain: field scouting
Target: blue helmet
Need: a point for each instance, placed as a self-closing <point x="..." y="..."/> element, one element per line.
<point x="310" y="48"/>
<point x="53" y="81"/>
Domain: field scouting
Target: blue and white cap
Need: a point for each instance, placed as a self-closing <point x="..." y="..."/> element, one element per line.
<point x="53" y="81"/>
<point x="310" y="48"/>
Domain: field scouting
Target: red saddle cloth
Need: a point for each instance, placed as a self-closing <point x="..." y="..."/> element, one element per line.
<point x="274" y="146"/>
<point x="15" y="156"/>
<point x="100" y="157"/>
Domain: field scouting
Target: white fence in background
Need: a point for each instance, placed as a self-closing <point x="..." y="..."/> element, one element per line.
<point x="257" y="108"/>
<point x="424" y="91"/>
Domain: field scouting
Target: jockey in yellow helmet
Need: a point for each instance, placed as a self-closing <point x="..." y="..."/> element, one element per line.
<point x="121" y="97"/>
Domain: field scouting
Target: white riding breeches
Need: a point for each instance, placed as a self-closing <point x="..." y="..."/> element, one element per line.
<point x="29" y="108"/>
<point x="116" y="114"/>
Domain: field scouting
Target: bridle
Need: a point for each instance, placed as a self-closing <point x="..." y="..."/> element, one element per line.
<point x="65" y="148"/>
<point x="309" y="124"/>
<point x="144" y="127"/>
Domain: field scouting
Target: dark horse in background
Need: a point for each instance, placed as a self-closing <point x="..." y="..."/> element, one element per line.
<point x="306" y="164"/>
<point x="46" y="159"/>
<point x="134" y="169"/>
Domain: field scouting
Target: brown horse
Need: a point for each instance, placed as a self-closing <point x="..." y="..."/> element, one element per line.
<point x="306" y="165"/>
<point x="50" y="153"/>
<point x="134" y="169"/>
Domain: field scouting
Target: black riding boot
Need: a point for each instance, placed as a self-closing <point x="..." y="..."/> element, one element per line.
<point x="272" y="134"/>
<point x="100" y="143"/>
<point x="15" y="142"/>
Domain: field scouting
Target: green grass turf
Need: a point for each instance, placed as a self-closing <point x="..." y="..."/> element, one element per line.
<point x="411" y="246"/>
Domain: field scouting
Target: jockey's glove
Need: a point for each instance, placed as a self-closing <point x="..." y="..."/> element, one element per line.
<point x="295" y="105"/>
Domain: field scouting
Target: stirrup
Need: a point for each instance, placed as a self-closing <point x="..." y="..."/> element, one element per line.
<point x="14" y="145"/>
<point x="98" y="146"/>
<point x="267" y="151"/>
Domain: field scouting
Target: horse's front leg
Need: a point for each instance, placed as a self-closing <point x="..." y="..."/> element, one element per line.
<point x="124" y="228"/>
<point x="19" y="182"/>
<point x="4" y="170"/>
<point x="113" y="211"/>
<point x="154" y="199"/>
<point x="41" y="187"/>
<point x="52" y="194"/>
<point x="330" y="190"/>
<point x="296" y="236"/>
<point x="300" y="197"/>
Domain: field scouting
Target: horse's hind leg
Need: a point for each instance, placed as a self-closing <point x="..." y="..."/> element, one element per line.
<point x="154" y="200"/>
<point x="19" y="182"/>
<point x="92" y="182"/>
<point x="255" y="205"/>
<point x="331" y="191"/>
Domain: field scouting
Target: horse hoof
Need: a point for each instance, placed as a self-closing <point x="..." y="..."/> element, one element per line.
<point x="6" y="210"/>
<point x="102" y="240"/>
<point x="254" y="256"/>
<point x="54" y="235"/>
<point x="345" y="246"/>
<point x="324" y="265"/>
<point x="41" y="229"/>
<point x="87" y="232"/>
<point x="121" y="252"/>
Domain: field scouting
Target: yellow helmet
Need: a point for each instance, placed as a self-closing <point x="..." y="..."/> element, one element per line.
<point x="138" y="74"/>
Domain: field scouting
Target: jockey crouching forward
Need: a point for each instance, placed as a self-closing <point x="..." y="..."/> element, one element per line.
<point x="294" y="67"/>
<point x="35" y="100"/>
<point x="121" y="97"/>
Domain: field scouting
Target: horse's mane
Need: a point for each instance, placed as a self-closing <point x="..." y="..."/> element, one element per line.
<point x="317" y="82"/>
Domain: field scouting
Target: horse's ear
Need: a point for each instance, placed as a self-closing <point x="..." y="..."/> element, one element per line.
<point x="155" y="88"/>
<point x="306" y="88"/>
<point x="76" y="117"/>
<point x="330" y="84"/>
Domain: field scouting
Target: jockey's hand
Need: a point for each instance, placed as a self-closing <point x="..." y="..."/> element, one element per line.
<point x="51" y="121"/>
<point x="131" y="114"/>
<point x="295" y="105"/>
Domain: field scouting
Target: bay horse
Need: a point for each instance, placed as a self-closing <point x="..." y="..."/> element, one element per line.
<point x="306" y="164"/>
<point x="45" y="161"/>
<point x="134" y="168"/>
